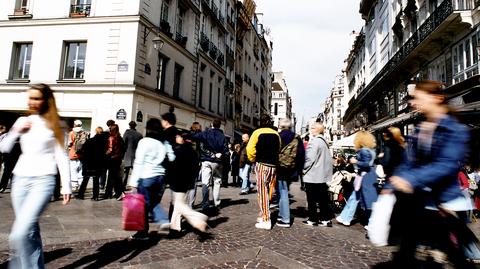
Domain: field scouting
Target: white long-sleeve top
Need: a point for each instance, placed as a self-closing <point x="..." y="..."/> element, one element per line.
<point x="41" y="152"/>
<point x="148" y="159"/>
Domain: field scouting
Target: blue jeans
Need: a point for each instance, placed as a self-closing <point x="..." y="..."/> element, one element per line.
<point x="244" y="174"/>
<point x="349" y="210"/>
<point x="284" y="203"/>
<point x="152" y="189"/>
<point x="30" y="197"/>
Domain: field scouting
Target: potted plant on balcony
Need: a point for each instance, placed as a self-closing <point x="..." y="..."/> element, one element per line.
<point x="20" y="11"/>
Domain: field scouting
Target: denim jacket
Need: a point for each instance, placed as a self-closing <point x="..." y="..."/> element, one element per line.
<point x="434" y="170"/>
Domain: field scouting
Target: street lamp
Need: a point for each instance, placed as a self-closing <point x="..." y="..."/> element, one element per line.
<point x="157" y="43"/>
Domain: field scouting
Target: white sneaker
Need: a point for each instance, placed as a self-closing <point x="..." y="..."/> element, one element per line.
<point x="164" y="226"/>
<point x="340" y="220"/>
<point x="266" y="225"/>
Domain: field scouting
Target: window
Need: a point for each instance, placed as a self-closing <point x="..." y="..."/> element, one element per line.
<point x="80" y="8"/>
<point x="180" y="19"/>
<point x="465" y="58"/>
<point x="22" y="55"/>
<point x="210" y="97"/>
<point x="200" y="93"/>
<point x="177" y="76"/>
<point x="22" y="5"/>
<point x="164" y="15"/>
<point x="161" y="72"/>
<point x="74" y="63"/>
<point x="218" y="101"/>
<point x="275" y="110"/>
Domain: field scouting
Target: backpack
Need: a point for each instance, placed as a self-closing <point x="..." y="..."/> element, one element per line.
<point x="80" y="139"/>
<point x="288" y="154"/>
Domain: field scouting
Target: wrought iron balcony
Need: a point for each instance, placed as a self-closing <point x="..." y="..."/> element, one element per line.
<point x="441" y="13"/>
<point x="180" y="39"/>
<point x="213" y="51"/>
<point x="82" y="10"/>
<point x="165" y="28"/>
<point x="220" y="59"/>
<point x="246" y="118"/>
<point x="238" y="78"/>
<point x="214" y="9"/>
<point x="204" y="42"/>
<point x="229" y="52"/>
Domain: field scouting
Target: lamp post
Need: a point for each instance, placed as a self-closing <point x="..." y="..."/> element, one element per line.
<point x="158" y="45"/>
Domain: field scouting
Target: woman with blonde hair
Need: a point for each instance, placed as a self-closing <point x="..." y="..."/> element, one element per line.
<point x="365" y="191"/>
<point x="42" y="139"/>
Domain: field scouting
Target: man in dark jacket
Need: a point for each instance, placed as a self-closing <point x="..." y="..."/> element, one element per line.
<point x="292" y="158"/>
<point x="131" y="138"/>
<point x="169" y="130"/>
<point x="263" y="149"/>
<point x="213" y="148"/>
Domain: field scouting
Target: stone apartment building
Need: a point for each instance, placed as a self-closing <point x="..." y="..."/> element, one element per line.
<point x="125" y="60"/>
<point x="281" y="100"/>
<point x="412" y="40"/>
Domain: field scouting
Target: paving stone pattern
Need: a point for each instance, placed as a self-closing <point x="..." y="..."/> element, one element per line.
<point x="86" y="234"/>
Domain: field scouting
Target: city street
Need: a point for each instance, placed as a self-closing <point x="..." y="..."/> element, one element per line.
<point x="86" y="234"/>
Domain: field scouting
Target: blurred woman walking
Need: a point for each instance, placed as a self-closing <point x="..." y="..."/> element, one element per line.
<point x="42" y="140"/>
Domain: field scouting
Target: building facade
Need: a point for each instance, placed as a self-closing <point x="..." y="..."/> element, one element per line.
<point x="412" y="40"/>
<point x="123" y="60"/>
<point x="281" y="100"/>
<point x="334" y="110"/>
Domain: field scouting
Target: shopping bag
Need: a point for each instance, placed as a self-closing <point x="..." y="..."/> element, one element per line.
<point x="133" y="213"/>
<point x="379" y="222"/>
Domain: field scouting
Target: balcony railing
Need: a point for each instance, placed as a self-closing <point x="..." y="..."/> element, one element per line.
<point x="220" y="59"/>
<point x="82" y="10"/>
<point x="465" y="4"/>
<point x="180" y="39"/>
<point x="229" y="52"/>
<point x="238" y="78"/>
<point x="214" y="9"/>
<point x="165" y="28"/>
<point x="213" y="51"/>
<point x="204" y="42"/>
<point x="246" y="118"/>
<point x="441" y="13"/>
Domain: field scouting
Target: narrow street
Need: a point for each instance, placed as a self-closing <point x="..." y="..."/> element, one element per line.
<point x="86" y="234"/>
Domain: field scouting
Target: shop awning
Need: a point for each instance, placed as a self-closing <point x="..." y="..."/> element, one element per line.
<point x="393" y="121"/>
<point x="346" y="142"/>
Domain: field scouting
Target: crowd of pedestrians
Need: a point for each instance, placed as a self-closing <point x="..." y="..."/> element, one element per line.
<point x="435" y="188"/>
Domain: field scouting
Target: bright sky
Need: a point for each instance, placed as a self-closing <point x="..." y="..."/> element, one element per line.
<point x="311" y="40"/>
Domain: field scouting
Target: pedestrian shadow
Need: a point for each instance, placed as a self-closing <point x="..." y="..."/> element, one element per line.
<point x="229" y="202"/>
<point x="299" y="212"/>
<point x="48" y="256"/>
<point x="56" y="254"/>
<point x="215" y="222"/>
<point x="113" y="251"/>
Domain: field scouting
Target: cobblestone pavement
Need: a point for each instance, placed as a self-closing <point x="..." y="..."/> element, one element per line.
<point x="86" y="234"/>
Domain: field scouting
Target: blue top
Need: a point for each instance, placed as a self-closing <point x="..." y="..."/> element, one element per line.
<point x="434" y="169"/>
<point x="212" y="141"/>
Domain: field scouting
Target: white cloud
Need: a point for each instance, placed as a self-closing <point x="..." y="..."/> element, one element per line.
<point x="311" y="39"/>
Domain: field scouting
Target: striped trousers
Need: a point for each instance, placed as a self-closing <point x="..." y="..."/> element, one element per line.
<point x="266" y="178"/>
